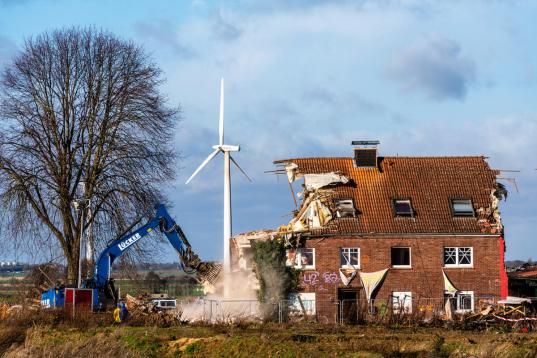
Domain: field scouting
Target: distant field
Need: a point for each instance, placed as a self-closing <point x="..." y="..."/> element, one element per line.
<point x="11" y="284"/>
<point x="12" y="275"/>
<point x="172" y="288"/>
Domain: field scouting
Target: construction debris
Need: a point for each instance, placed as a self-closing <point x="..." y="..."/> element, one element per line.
<point x="147" y="313"/>
<point x="512" y="310"/>
<point x="317" y="181"/>
<point x="314" y="214"/>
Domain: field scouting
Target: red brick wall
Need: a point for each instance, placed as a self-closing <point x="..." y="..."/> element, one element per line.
<point x="424" y="279"/>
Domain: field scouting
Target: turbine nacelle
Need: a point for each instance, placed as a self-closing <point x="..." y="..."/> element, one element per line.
<point x="227" y="148"/>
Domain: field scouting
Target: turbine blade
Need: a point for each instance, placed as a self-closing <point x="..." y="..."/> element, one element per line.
<point x="221" y="119"/>
<point x="242" y="171"/>
<point x="207" y="160"/>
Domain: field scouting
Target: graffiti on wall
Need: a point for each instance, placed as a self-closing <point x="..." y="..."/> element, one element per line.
<point x="320" y="280"/>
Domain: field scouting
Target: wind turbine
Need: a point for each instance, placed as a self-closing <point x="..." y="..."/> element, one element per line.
<point x="226" y="149"/>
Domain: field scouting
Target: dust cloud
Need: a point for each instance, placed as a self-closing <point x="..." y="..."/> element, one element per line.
<point x="232" y="298"/>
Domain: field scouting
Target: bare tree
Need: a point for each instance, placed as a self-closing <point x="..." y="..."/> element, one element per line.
<point x="80" y="105"/>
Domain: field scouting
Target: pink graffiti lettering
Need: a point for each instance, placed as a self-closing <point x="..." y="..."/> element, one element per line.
<point x="330" y="277"/>
<point x="311" y="278"/>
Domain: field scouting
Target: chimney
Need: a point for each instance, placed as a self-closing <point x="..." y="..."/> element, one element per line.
<point x="365" y="153"/>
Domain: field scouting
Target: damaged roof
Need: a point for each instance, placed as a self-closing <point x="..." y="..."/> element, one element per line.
<point x="430" y="183"/>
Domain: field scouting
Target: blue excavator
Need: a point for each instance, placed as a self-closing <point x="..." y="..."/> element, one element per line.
<point x="100" y="290"/>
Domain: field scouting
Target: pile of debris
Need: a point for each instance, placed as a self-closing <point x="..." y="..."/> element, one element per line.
<point x="148" y="313"/>
<point x="515" y="311"/>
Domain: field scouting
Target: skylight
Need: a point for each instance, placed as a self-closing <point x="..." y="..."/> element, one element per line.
<point x="462" y="207"/>
<point x="403" y="207"/>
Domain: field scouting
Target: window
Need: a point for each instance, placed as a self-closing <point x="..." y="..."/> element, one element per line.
<point x="402" y="302"/>
<point x="462" y="207"/>
<point x="308" y="302"/>
<point x="345" y="208"/>
<point x="403" y="207"/>
<point x="303" y="258"/>
<point x="458" y="256"/>
<point x="349" y="257"/>
<point x="401" y="257"/>
<point x="365" y="157"/>
<point x="464" y="301"/>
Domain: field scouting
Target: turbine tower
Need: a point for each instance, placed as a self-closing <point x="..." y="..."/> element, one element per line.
<point x="226" y="149"/>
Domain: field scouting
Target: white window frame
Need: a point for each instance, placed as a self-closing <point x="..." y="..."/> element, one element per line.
<point x="298" y="258"/>
<point x="402" y="297"/>
<point x="458" y="301"/>
<point x="409" y="257"/>
<point x="341" y="249"/>
<point x="457" y="256"/>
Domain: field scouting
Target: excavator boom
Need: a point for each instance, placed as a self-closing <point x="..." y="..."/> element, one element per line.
<point x="102" y="285"/>
<point x="189" y="261"/>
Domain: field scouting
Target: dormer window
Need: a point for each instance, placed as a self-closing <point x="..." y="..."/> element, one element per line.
<point x="403" y="207"/>
<point x="345" y="208"/>
<point x="462" y="207"/>
<point x="366" y="153"/>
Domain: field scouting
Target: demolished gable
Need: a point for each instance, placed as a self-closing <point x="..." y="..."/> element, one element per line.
<point x="314" y="210"/>
<point x="313" y="215"/>
<point x="489" y="216"/>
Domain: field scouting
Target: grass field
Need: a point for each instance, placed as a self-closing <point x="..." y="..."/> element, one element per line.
<point x="10" y="285"/>
<point x="258" y="340"/>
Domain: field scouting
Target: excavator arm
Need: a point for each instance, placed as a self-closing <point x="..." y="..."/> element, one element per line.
<point x="206" y="272"/>
<point x="102" y="286"/>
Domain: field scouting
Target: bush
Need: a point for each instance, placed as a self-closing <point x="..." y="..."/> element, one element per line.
<point x="276" y="280"/>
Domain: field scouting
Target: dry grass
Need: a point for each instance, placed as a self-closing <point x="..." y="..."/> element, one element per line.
<point x="53" y="334"/>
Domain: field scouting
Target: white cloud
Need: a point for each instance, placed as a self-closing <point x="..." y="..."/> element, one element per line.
<point x="434" y="65"/>
<point x="163" y="33"/>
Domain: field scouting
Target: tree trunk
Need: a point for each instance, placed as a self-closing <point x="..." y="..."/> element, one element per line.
<point x="72" y="268"/>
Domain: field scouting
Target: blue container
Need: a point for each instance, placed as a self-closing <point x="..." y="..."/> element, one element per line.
<point x="54" y="297"/>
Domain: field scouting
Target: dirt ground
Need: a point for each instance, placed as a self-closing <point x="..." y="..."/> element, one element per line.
<point x="104" y="339"/>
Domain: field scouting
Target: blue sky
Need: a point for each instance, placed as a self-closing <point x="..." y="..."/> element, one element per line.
<point x="305" y="78"/>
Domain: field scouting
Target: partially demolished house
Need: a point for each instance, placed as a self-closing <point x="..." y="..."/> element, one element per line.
<point x="392" y="228"/>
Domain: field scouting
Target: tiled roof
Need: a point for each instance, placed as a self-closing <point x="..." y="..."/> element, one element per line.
<point x="526" y="274"/>
<point x="429" y="182"/>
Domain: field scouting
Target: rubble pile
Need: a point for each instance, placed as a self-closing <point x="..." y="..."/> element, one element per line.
<point x="146" y="313"/>
<point x="515" y="311"/>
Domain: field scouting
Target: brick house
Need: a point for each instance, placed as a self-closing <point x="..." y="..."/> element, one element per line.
<point x="428" y="221"/>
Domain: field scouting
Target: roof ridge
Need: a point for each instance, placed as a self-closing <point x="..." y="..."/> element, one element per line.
<point x="391" y="157"/>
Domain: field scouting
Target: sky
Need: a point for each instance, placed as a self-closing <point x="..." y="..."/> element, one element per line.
<point x="306" y="77"/>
